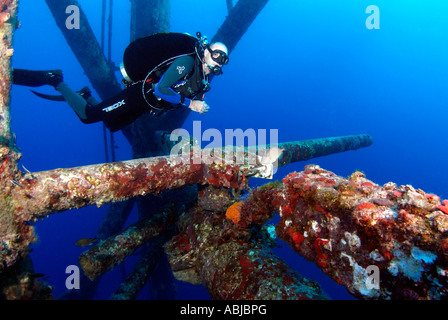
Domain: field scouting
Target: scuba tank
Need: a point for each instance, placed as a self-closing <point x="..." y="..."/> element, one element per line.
<point x="156" y="51"/>
<point x="146" y="59"/>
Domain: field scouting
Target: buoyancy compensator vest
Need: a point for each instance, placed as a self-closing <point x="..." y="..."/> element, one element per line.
<point x="146" y="59"/>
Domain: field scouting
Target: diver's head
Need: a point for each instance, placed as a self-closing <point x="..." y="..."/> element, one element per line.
<point x="215" y="56"/>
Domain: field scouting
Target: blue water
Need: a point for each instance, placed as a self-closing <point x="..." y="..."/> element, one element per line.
<point x="308" y="68"/>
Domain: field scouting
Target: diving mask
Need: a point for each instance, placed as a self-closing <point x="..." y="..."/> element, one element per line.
<point x="219" y="56"/>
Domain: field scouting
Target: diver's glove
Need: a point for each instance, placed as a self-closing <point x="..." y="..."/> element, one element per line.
<point x="198" y="106"/>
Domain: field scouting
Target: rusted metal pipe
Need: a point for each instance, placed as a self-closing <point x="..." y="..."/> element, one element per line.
<point x="15" y="234"/>
<point x="136" y="280"/>
<point x="213" y="252"/>
<point x="380" y="242"/>
<point x="112" y="251"/>
<point x="8" y="22"/>
<point x="314" y="148"/>
<point x="86" y="49"/>
<point x="42" y="193"/>
<point x="39" y="194"/>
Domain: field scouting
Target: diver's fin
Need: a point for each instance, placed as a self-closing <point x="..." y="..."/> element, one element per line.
<point x="49" y="96"/>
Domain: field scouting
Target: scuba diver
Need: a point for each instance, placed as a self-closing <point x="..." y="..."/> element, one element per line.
<point x="156" y="80"/>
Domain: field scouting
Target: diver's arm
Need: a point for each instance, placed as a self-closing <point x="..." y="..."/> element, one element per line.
<point x="178" y="69"/>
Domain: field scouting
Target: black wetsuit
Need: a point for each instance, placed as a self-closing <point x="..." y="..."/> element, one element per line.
<point x="183" y="81"/>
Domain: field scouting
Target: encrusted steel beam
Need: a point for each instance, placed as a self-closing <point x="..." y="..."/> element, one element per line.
<point x="112" y="251"/>
<point x="8" y="24"/>
<point x="86" y="48"/>
<point x="380" y="242"/>
<point x="38" y="194"/>
<point x="136" y="280"/>
<point x="313" y="148"/>
<point x="17" y="278"/>
<point x="133" y="284"/>
<point x="238" y="21"/>
<point x="229" y="4"/>
<point x="15" y="235"/>
<point x="231" y="264"/>
<point x="115" y="218"/>
<point x="9" y="155"/>
<point x="148" y="17"/>
<point x="35" y="195"/>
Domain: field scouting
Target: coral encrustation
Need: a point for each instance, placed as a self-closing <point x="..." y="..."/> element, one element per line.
<point x="350" y="227"/>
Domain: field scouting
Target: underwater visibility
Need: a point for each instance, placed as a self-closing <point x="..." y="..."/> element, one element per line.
<point x="223" y="150"/>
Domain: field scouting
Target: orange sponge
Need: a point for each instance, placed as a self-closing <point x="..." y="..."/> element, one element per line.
<point x="234" y="212"/>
